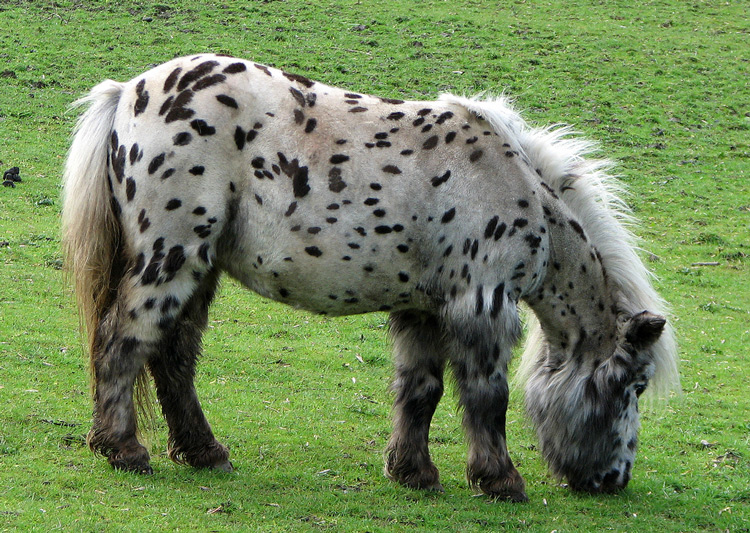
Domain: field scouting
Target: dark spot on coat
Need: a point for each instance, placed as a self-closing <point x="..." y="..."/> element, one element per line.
<point x="142" y="100"/>
<point x="500" y="230"/>
<point x="175" y="259"/>
<point x="202" y="230"/>
<point x="209" y="81"/>
<point x="335" y="183"/>
<point x="172" y="79"/>
<point x="181" y="139"/>
<point x="300" y="185"/>
<point x="202" y="128"/>
<point x="239" y="137"/>
<point x="577" y="228"/>
<point x="532" y="240"/>
<point x="298" y="96"/>
<point x="430" y="143"/>
<point x="235" y="68"/>
<point x="391" y="169"/>
<point x="156" y="162"/>
<point x="299" y="79"/>
<point x="196" y="73"/>
<point x="173" y="204"/>
<point x="491" y="226"/>
<point x="130" y="189"/>
<point x="263" y="68"/>
<point x="396" y="115"/>
<point x="403" y="277"/>
<point x="448" y="215"/>
<point x="479" y="300"/>
<point x="474" y="249"/>
<point x="197" y="170"/>
<point x="118" y="164"/>
<point x="443" y="117"/>
<point x="475" y="155"/>
<point x="166" y="105"/>
<point x="449" y="137"/>
<point x="150" y="274"/>
<point x="140" y="262"/>
<point x="310" y="126"/>
<point x="339" y="158"/>
<point x="227" y="101"/>
<point x="134" y="153"/>
<point x="498" y="296"/>
<point x="203" y="252"/>
<point x="313" y="251"/>
<point x="439" y="180"/>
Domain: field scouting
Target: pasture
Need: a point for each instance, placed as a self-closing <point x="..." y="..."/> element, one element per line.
<point x="302" y="400"/>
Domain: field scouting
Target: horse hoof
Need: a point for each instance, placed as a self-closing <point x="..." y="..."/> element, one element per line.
<point x="437" y="487"/>
<point x="508" y="490"/>
<point x="513" y="497"/>
<point x="225" y="466"/>
<point x="136" y="468"/>
<point x="131" y="459"/>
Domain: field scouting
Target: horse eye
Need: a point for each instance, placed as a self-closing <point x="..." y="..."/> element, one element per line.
<point x="639" y="388"/>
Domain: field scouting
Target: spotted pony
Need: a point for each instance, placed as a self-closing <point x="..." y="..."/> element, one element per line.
<point x="445" y="214"/>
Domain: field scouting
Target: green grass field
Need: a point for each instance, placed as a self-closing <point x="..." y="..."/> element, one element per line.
<point x="302" y="400"/>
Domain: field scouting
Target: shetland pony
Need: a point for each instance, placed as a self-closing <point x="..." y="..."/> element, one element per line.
<point x="445" y="214"/>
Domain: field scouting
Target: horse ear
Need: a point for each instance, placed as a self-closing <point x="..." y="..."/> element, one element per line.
<point x="644" y="329"/>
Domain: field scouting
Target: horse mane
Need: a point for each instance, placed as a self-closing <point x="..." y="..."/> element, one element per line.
<point x="596" y="198"/>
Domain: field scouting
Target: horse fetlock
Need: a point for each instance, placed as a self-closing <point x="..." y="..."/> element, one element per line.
<point x="415" y="471"/>
<point x="496" y="478"/>
<point x="214" y="455"/>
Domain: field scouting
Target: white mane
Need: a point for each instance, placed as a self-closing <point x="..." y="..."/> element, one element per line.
<point x="596" y="199"/>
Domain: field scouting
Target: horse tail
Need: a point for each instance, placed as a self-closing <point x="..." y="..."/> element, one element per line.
<point x="90" y="227"/>
<point x="91" y="231"/>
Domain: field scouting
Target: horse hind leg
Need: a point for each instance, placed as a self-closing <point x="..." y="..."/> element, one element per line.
<point x="480" y="352"/>
<point x="122" y="344"/>
<point x="418" y="386"/>
<point x="172" y="366"/>
<point x="141" y="318"/>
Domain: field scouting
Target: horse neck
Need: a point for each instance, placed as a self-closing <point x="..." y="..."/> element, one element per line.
<point x="575" y="302"/>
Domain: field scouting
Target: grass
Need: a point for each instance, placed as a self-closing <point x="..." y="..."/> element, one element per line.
<point x="302" y="400"/>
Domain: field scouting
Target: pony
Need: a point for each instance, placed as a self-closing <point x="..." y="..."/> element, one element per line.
<point x="446" y="214"/>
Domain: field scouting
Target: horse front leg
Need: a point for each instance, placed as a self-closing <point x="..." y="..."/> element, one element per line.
<point x="418" y="385"/>
<point x="480" y="367"/>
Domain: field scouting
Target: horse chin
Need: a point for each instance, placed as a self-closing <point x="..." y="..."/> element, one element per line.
<point x="610" y="481"/>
